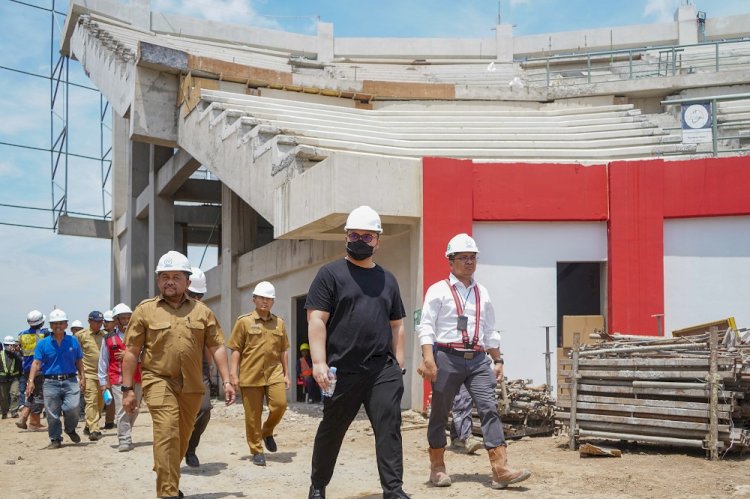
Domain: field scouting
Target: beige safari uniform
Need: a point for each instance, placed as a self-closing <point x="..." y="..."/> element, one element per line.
<point x="261" y="345"/>
<point x="91" y="345"/>
<point x="172" y="341"/>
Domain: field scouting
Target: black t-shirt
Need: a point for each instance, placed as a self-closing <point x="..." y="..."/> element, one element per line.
<point x="361" y="303"/>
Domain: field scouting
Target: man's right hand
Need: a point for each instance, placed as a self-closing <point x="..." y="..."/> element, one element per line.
<point x="29" y="387"/>
<point x="320" y="374"/>
<point x="428" y="369"/>
<point x="129" y="402"/>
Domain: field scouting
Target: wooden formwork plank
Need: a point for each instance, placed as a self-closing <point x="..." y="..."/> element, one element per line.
<point x="633" y="410"/>
<point x="679" y="404"/>
<point x="658" y="363"/>
<point x="648" y="374"/>
<point x="659" y="423"/>
<point x="649" y="430"/>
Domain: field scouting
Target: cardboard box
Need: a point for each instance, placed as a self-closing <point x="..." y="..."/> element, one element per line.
<point x="584" y="324"/>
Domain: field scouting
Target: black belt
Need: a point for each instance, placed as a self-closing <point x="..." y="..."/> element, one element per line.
<point x="466" y="354"/>
<point x="59" y="377"/>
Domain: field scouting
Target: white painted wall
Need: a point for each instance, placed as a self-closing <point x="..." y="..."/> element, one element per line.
<point x="706" y="271"/>
<point x="518" y="265"/>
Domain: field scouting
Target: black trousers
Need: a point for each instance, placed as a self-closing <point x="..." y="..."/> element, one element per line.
<point x="202" y="419"/>
<point x="380" y="390"/>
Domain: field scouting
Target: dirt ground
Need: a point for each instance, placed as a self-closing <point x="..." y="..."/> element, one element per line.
<point x="96" y="469"/>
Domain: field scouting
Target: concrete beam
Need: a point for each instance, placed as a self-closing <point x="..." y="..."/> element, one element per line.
<point x="84" y="227"/>
<point x="199" y="191"/>
<point x="175" y="172"/>
<point x="162" y="58"/>
<point x="142" y="203"/>
<point x="198" y="216"/>
<point x="200" y="236"/>
<point x="153" y="117"/>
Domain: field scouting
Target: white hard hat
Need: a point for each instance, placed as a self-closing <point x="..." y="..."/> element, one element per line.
<point x="173" y="261"/>
<point x="265" y="289"/>
<point x="364" y="218"/>
<point x="120" y="308"/>
<point x="57" y="315"/>
<point x="197" y="281"/>
<point x="76" y="323"/>
<point x="461" y="243"/>
<point x="35" y="318"/>
<point x="10" y="340"/>
<point x="108" y="317"/>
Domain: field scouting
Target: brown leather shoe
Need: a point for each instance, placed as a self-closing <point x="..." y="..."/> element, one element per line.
<point x="502" y="475"/>
<point x="438" y="475"/>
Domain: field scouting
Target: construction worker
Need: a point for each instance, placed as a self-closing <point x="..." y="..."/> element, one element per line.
<point x="109" y="414"/>
<point x="355" y="323"/>
<point x="91" y="344"/>
<point x="306" y="373"/>
<point x="10" y="370"/>
<point x="260" y="354"/>
<point x="76" y="326"/>
<point x="59" y="358"/>
<point x="31" y="410"/>
<point x="457" y="332"/>
<point x="110" y="376"/>
<point x="196" y="290"/>
<point x="169" y="332"/>
<point x="109" y="322"/>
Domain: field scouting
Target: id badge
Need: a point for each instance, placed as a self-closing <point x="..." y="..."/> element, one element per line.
<point x="463" y="323"/>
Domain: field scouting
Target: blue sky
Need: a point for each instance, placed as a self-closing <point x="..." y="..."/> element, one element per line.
<point x="43" y="270"/>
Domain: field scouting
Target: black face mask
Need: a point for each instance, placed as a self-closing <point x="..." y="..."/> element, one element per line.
<point x="359" y="250"/>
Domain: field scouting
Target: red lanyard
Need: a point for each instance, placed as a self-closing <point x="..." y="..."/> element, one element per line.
<point x="460" y="310"/>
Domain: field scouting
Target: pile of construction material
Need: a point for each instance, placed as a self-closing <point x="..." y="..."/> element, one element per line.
<point x="691" y="391"/>
<point x="525" y="409"/>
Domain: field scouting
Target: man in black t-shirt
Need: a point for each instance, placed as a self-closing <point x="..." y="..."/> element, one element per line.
<point x="355" y="323"/>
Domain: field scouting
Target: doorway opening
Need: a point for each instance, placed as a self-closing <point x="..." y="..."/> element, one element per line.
<point x="581" y="290"/>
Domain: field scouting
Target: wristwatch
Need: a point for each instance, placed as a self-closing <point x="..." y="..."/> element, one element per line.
<point x="125" y="388"/>
<point x="499" y="361"/>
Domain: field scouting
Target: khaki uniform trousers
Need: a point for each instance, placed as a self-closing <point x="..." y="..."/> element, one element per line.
<point x="94" y="403"/>
<point x="252" y="401"/>
<point x="173" y="415"/>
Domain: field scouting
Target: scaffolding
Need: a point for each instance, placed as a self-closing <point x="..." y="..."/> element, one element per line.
<point x="61" y="157"/>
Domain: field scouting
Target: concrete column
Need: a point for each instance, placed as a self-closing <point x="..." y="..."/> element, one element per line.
<point x="325" y="42"/>
<point x="504" y="41"/>
<point x="120" y="175"/>
<point x="238" y="224"/>
<point x="160" y="213"/>
<point x="687" y="24"/>
<point x="138" y="274"/>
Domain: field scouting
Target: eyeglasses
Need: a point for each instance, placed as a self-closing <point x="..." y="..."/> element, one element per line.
<point x="195" y="296"/>
<point x="353" y="237"/>
<point x="465" y="258"/>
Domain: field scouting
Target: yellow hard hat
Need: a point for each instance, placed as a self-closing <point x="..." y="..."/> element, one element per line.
<point x="304" y="346"/>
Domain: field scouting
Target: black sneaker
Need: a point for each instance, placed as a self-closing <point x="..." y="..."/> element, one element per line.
<point x="95" y="435"/>
<point x="74" y="437"/>
<point x="259" y="460"/>
<point x="109" y="426"/>
<point x="270" y="443"/>
<point x="86" y="430"/>
<point x="316" y="492"/>
<point x="192" y="460"/>
<point x="54" y="444"/>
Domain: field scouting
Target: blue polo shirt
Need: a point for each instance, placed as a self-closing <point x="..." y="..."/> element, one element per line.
<point x="58" y="359"/>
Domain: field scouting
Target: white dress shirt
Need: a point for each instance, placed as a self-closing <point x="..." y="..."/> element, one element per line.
<point x="440" y="316"/>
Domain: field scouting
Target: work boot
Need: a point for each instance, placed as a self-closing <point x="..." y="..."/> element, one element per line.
<point x="438" y="476"/>
<point x="86" y="431"/>
<point x="502" y="475"/>
<point x="35" y="422"/>
<point x="21" y="423"/>
<point x="473" y="444"/>
<point x="95" y="435"/>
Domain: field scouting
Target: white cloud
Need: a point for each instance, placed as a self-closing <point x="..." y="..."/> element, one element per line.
<point x="660" y="10"/>
<point x="228" y="11"/>
<point x="8" y="170"/>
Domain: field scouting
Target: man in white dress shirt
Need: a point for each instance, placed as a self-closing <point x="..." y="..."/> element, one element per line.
<point x="456" y="333"/>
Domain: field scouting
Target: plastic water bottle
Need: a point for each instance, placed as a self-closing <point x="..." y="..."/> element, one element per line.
<point x="107" y="396"/>
<point x="331" y="382"/>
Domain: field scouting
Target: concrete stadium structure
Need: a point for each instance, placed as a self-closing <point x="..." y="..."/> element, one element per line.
<point x="558" y="152"/>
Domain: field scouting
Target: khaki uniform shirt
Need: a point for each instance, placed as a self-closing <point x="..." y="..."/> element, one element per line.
<point x="91" y="344"/>
<point x="172" y="341"/>
<point x="260" y="344"/>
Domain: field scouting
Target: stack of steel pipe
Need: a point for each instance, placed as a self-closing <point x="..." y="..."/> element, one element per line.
<point x="690" y="392"/>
